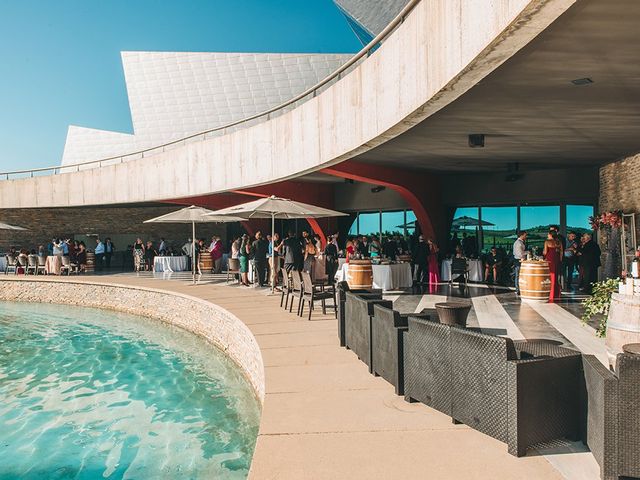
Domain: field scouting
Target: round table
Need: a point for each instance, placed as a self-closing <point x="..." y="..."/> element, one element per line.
<point x="453" y="313"/>
<point x="475" y="270"/>
<point x="52" y="265"/>
<point x="632" y="348"/>
<point x="170" y="264"/>
<point x="386" y="277"/>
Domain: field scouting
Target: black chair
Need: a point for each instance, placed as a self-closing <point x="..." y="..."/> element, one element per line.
<point x="341" y="289"/>
<point x="296" y="290"/>
<point x="312" y="293"/>
<point x="611" y="425"/>
<point x="387" y="344"/>
<point x="359" y="310"/>
<point x="459" y="268"/>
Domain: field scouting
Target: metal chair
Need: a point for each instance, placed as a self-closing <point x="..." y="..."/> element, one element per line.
<point x="312" y="293"/>
<point x="296" y="290"/>
<point x="21" y="263"/>
<point x="32" y="264"/>
<point x="459" y="268"/>
<point x="42" y="261"/>
<point x="12" y="263"/>
<point x="233" y="268"/>
<point x="65" y="265"/>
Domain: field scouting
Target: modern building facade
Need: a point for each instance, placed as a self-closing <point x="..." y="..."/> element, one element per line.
<point x="549" y="86"/>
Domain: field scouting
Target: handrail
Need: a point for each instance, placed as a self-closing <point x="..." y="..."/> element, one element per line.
<point x="365" y="52"/>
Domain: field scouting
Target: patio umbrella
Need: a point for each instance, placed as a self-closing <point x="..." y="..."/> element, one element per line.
<point x="193" y="215"/>
<point x="470" y="222"/>
<point x="273" y="207"/>
<point x="6" y="226"/>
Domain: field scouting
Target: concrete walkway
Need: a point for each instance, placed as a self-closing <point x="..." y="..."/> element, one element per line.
<point x="326" y="417"/>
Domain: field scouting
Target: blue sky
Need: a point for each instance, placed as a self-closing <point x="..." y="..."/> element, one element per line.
<point x="61" y="59"/>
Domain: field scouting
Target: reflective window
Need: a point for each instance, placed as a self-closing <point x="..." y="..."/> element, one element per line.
<point x="578" y="218"/>
<point x="393" y="223"/>
<point x="536" y="221"/>
<point x="366" y="224"/>
<point x="464" y="230"/>
<point x="499" y="225"/>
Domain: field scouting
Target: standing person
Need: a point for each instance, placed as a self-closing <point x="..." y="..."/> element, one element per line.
<point x="421" y="260"/>
<point x="243" y="256"/>
<point x="374" y="248"/>
<point x="162" y="248"/>
<point x="65" y="247"/>
<point x="309" y="255"/>
<point x="292" y="251"/>
<point x="138" y="255"/>
<point x="149" y="254"/>
<point x="569" y="260"/>
<point x="81" y="257"/>
<point x="363" y="247"/>
<point x="552" y="253"/>
<point x="216" y="254"/>
<point x="350" y="250"/>
<point x="109" y="248"/>
<point x="99" y="252"/>
<point x="519" y="251"/>
<point x="57" y="247"/>
<point x="390" y="248"/>
<point x="187" y="250"/>
<point x="563" y="243"/>
<point x="273" y="255"/>
<point x="434" y="275"/>
<point x="590" y="261"/>
<point x="259" y="248"/>
<point x="331" y="260"/>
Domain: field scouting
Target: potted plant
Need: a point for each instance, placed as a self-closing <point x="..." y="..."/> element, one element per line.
<point x="599" y="302"/>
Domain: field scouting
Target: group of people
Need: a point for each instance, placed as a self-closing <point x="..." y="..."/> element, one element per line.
<point x="565" y="256"/>
<point x="75" y="250"/>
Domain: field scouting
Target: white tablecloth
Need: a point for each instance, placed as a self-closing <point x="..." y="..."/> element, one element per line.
<point x="475" y="271"/>
<point x="3" y="263"/>
<point x="170" y="264"/>
<point x="386" y="277"/>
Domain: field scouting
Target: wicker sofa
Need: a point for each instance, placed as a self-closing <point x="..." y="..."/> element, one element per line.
<point x="387" y="344"/>
<point x="520" y="393"/>
<point x="358" y="313"/>
<point x="612" y="417"/>
<point x="341" y="289"/>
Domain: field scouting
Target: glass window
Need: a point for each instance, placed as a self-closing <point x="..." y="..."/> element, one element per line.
<point x="502" y="229"/>
<point x="366" y="224"/>
<point x="536" y="221"/>
<point x="393" y="223"/>
<point x="578" y="218"/>
<point x="463" y="231"/>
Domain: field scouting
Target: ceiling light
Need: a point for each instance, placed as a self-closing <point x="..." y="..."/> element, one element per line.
<point x="476" y="140"/>
<point x="378" y="189"/>
<point x="582" y="81"/>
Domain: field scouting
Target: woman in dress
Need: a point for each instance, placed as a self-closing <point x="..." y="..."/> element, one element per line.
<point x="309" y="255"/>
<point x="434" y="271"/>
<point x="243" y="255"/>
<point x="553" y="253"/>
<point x="374" y="248"/>
<point x="149" y="254"/>
<point x="138" y="255"/>
<point x="349" y="250"/>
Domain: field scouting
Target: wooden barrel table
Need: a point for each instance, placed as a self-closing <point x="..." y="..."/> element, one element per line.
<point x="623" y="324"/>
<point x="535" y="281"/>
<point x="90" y="266"/>
<point x="360" y="274"/>
<point x="206" y="262"/>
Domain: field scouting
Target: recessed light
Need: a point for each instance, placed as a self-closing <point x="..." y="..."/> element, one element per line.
<point x="476" y="140"/>
<point x="582" y="81"/>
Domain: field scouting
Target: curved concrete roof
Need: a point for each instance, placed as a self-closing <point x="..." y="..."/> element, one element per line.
<point x="440" y="51"/>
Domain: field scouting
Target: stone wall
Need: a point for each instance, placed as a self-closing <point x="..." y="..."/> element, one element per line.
<point x="620" y="186"/>
<point x="209" y="321"/>
<point x="43" y="224"/>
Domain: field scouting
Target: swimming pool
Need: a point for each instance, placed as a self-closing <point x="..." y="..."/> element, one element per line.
<point x="87" y="393"/>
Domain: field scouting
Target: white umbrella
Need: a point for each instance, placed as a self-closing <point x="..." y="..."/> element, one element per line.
<point x="6" y="226"/>
<point x="193" y="215"/>
<point x="273" y="207"/>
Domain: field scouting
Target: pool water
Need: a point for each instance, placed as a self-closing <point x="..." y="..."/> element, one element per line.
<point x="92" y="394"/>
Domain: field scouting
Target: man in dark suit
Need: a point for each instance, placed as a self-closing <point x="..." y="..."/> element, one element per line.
<point x="420" y="260"/>
<point x="589" y="261"/>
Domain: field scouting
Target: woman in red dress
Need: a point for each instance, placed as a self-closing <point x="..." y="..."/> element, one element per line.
<point x="553" y="253"/>
<point x="434" y="271"/>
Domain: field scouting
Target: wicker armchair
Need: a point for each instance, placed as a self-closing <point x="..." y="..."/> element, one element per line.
<point x="312" y="293"/>
<point x="387" y="344"/>
<point x="612" y="416"/>
<point x="359" y="310"/>
<point x="520" y="393"/>
<point x="341" y="289"/>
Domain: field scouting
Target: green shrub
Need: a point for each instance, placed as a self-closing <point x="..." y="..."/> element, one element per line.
<point x="599" y="303"/>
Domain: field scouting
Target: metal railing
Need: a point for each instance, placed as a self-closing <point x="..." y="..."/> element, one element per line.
<point x="311" y="92"/>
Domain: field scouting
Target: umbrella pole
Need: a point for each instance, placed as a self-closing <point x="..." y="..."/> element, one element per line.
<point x="273" y="252"/>
<point x="193" y="252"/>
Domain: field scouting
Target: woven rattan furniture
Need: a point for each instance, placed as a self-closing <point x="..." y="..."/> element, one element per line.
<point x="315" y="293"/>
<point x="612" y="415"/>
<point x="459" y="268"/>
<point x="233" y="268"/>
<point x="341" y="289"/>
<point x="387" y="344"/>
<point x="296" y="290"/>
<point x="359" y="310"/>
<point x="453" y="313"/>
<point x="519" y="393"/>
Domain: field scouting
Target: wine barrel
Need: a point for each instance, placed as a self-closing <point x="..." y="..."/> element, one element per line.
<point x="404" y="258"/>
<point x="360" y="274"/>
<point x="535" y="281"/>
<point x="206" y="262"/>
<point x="90" y="266"/>
<point x="623" y="324"/>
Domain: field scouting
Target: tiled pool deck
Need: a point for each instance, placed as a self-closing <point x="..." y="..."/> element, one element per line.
<point x="326" y="417"/>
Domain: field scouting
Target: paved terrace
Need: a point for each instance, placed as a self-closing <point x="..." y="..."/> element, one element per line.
<point x="326" y="417"/>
